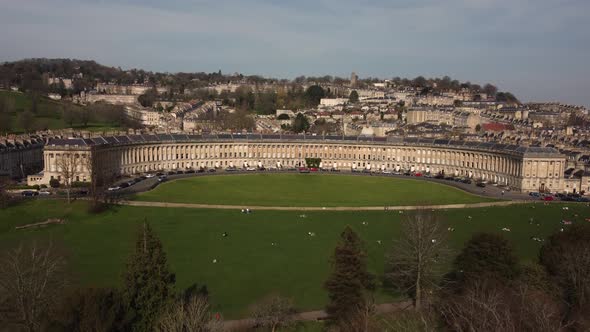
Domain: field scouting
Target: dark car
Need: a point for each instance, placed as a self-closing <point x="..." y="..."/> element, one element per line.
<point x="143" y="177"/>
<point x="171" y="173"/>
<point x="467" y="181"/>
<point x="29" y="193"/>
<point x="201" y="170"/>
<point x="190" y="171"/>
<point x="583" y="199"/>
<point x="162" y="178"/>
<point x="481" y="184"/>
<point x="124" y="185"/>
<point x="159" y="174"/>
<point x="439" y="176"/>
<point x="213" y="170"/>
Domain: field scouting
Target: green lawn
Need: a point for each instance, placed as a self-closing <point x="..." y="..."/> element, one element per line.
<point x="249" y="267"/>
<point x="306" y="190"/>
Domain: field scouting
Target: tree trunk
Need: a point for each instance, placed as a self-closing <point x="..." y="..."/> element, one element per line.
<point x="418" y="301"/>
<point x="68" y="192"/>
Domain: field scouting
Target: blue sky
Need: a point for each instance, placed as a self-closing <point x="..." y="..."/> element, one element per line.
<point x="539" y="49"/>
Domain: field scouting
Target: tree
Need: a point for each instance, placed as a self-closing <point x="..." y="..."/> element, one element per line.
<point x="89" y="309"/>
<point x="313" y="95"/>
<point x="26" y="120"/>
<point x="98" y="181"/>
<point x="32" y="278"/>
<point x="70" y="115"/>
<point x="490" y="90"/>
<point x="54" y="183"/>
<point x="68" y="166"/>
<point x="417" y="260"/>
<point x="300" y="123"/>
<point x="353" y="97"/>
<point x="349" y="280"/>
<point x="566" y="256"/>
<point x="192" y="314"/>
<point x="274" y="312"/>
<point x="148" y="98"/>
<point x="486" y="256"/>
<point x="6" y="111"/>
<point x="148" y="282"/>
<point x="85" y="116"/>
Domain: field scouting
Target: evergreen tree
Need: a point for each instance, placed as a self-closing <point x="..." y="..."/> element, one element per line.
<point x="486" y="256"/>
<point x="148" y="282"/>
<point x="354" y="97"/>
<point x="349" y="279"/>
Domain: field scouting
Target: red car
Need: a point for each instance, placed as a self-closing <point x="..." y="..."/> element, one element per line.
<point x="548" y="198"/>
<point x="418" y="174"/>
<point x="313" y="169"/>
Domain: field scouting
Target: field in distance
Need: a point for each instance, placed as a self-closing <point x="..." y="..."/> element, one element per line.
<point x="307" y="190"/>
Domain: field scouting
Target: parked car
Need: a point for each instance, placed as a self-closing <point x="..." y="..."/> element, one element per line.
<point x="481" y="184"/>
<point x="417" y="174"/>
<point x="44" y="192"/>
<point x="303" y="170"/>
<point x="149" y="176"/>
<point x="124" y="185"/>
<point x="162" y="178"/>
<point x="548" y="198"/>
<point x="29" y="193"/>
<point x="159" y="174"/>
<point x="115" y="188"/>
<point x="212" y="170"/>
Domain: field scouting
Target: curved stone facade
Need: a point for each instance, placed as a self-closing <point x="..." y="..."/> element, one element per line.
<point x="522" y="168"/>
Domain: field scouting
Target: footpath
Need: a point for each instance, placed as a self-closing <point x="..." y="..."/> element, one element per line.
<point x="319" y="208"/>
<point x="318" y="315"/>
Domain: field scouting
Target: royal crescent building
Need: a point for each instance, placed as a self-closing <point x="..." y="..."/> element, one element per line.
<point x="522" y="168"/>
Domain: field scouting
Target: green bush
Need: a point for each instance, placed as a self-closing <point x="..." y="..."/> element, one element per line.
<point x="54" y="183"/>
<point x="80" y="184"/>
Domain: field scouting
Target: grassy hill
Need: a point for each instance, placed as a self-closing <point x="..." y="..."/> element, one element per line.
<point x="23" y="112"/>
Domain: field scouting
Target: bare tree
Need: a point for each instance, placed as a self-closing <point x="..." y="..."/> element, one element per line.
<point x="478" y="308"/>
<point x="363" y="319"/>
<point x="274" y="312"/>
<point x="68" y="166"/>
<point x="192" y="315"/>
<point x="409" y="321"/>
<point x="418" y="256"/>
<point x="98" y="181"/>
<point x="31" y="280"/>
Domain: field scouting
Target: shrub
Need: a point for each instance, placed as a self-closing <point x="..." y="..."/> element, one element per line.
<point x="54" y="183"/>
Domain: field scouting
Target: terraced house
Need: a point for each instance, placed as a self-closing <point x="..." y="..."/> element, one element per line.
<point x="522" y="168"/>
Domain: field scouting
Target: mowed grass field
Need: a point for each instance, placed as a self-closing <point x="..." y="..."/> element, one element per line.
<point x="249" y="266"/>
<point x="306" y="190"/>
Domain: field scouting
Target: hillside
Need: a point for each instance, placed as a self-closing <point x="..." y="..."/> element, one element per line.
<point x="24" y="112"/>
